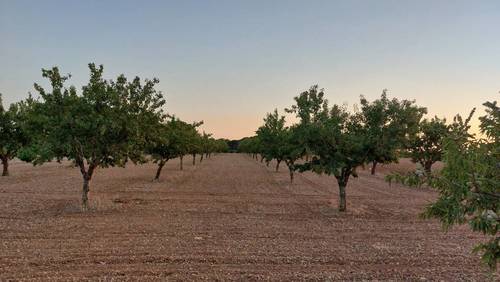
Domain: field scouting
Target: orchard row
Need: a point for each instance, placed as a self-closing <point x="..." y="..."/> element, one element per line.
<point x="336" y="141"/>
<point x="110" y="123"/>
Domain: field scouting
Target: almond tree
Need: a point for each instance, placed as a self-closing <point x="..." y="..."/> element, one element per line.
<point x="293" y="149"/>
<point x="12" y="134"/>
<point x="180" y="137"/>
<point x="221" y="145"/>
<point x="250" y="145"/>
<point x="161" y="148"/>
<point x="195" y="142"/>
<point x="272" y="136"/>
<point x="108" y="124"/>
<point x="336" y="137"/>
<point x="339" y="144"/>
<point x="389" y="123"/>
<point x="206" y="145"/>
<point x="426" y="147"/>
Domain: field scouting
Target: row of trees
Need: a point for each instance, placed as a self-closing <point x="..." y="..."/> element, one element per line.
<point x="339" y="141"/>
<point x="109" y="124"/>
<point x="176" y="139"/>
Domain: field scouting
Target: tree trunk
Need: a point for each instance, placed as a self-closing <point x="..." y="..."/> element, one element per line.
<point x="261" y="158"/>
<point x="85" y="192"/>
<point x="291" y="168"/>
<point x="342" y="199"/>
<point x="278" y="165"/>
<point x="428" y="167"/>
<point x="181" y="157"/>
<point x="374" y="165"/>
<point x="342" y="180"/>
<point x="194" y="159"/>
<point x="5" y="163"/>
<point x="87" y="176"/>
<point x="307" y="157"/>
<point x="158" y="171"/>
<point x="201" y="157"/>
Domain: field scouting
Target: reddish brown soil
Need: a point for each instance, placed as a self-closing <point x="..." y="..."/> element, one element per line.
<point x="230" y="218"/>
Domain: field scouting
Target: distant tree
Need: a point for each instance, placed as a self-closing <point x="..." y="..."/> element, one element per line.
<point x="181" y="137"/>
<point x="426" y="147"/>
<point x="108" y="124"/>
<point x="205" y="145"/>
<point x="12" y="134"/>
<point x="280" y="142"/>
<point x="221" y="145"/>
<point x="233" y="145"/>
<point x="211" y="147"/>
<point x="389" y="124"/>
<point x="256" y="147"/>
<point x="272" y="136"/>
<point x="293" y="148"/>
<point x="194" y="140"/>
<point x="469" y="183"/>
<point x="161" y="148"/>
<point x="251" y="146"/>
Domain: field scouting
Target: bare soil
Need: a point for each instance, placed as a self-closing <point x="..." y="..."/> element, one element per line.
<point x="228" y="218"/>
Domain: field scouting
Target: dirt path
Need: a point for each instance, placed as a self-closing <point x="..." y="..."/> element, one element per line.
<point x="229" y="218"/>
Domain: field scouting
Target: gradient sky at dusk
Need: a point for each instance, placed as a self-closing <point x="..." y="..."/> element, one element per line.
<point x="230" y="62"/>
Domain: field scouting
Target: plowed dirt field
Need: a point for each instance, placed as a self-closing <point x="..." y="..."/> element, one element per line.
<point x="228" y="218"/>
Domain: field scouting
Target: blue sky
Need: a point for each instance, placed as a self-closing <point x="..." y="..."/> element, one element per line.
<point x="230" y="62"/>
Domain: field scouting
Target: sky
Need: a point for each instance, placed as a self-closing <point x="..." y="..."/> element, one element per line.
<point x="228" y="63"/>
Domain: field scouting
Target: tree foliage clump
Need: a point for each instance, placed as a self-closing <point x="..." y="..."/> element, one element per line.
<point x="469" y="184"/>
<point x="415" y="178"/>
